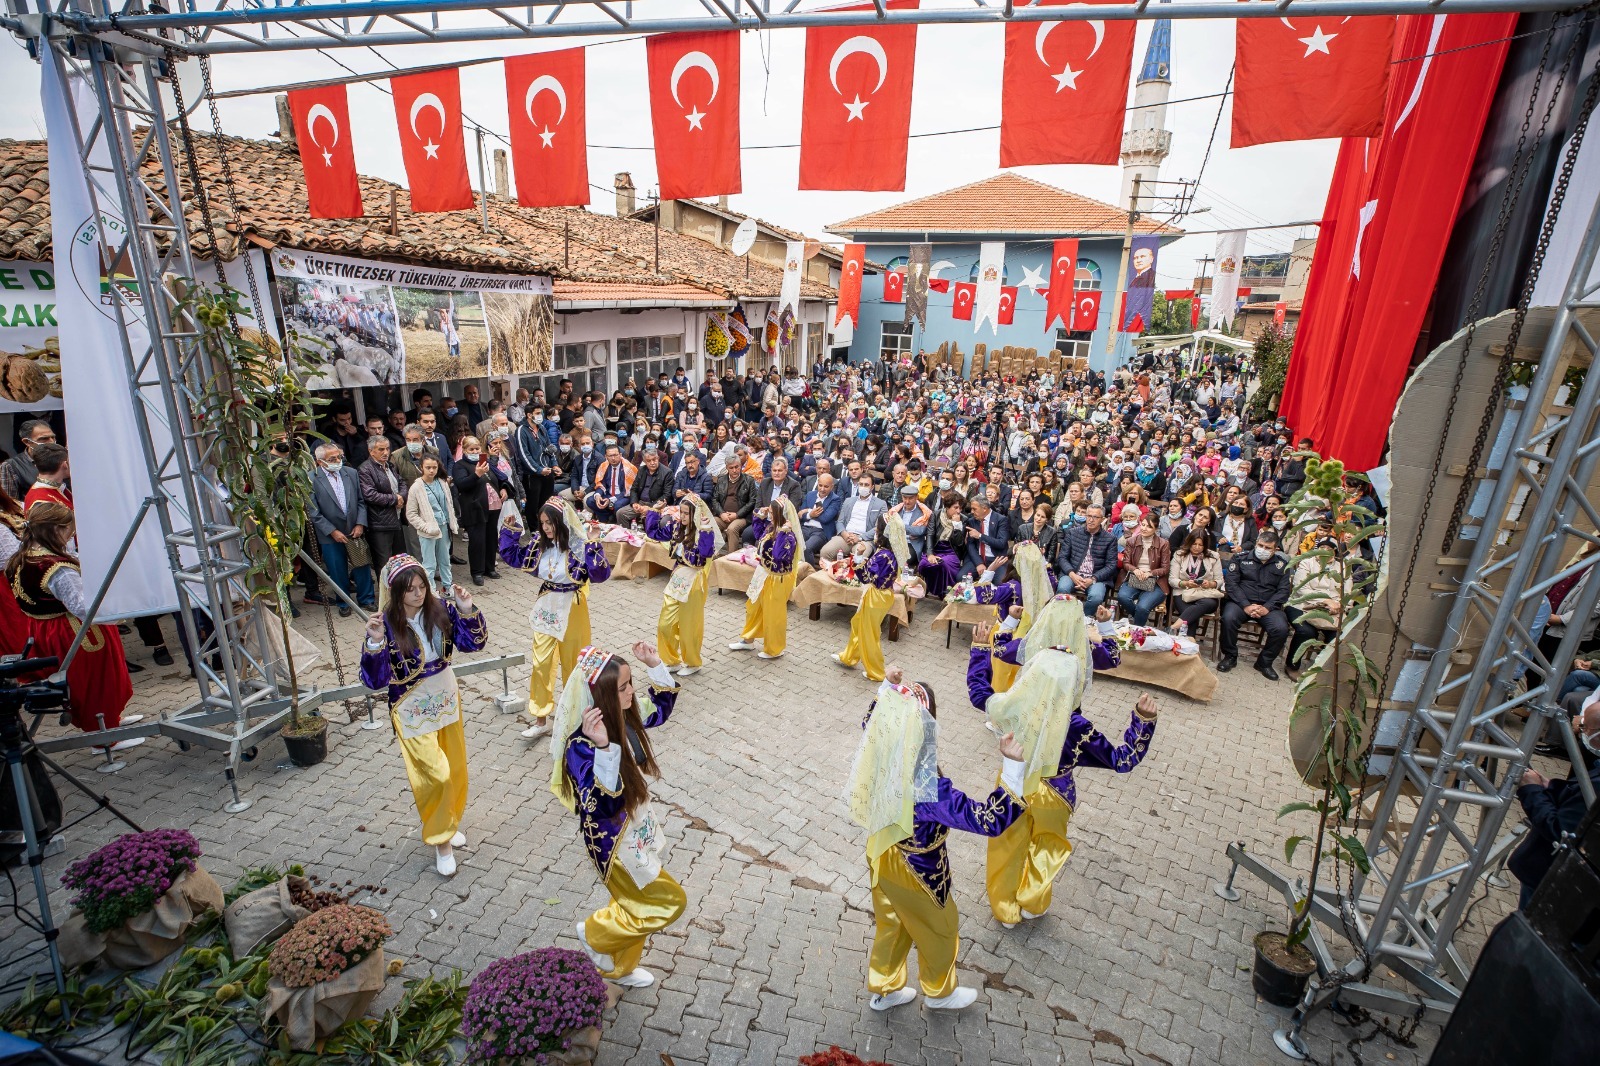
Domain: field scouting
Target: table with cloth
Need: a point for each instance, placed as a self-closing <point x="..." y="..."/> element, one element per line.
<point x="818" y="588"/>
<point x="962" y="613"/>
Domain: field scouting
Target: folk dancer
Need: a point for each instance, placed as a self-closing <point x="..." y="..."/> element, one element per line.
<point x="907" y="818"/>
<point x="411" y="640"/>
<point x="877" y="596"/>
<point x="766" y="616"/>
<point x="601" y="755"/>
<point x="1017" y="602"/>
<point x="681" y="627"/>
<point x="560" y="615"/>
<point x="1042" y="710"/>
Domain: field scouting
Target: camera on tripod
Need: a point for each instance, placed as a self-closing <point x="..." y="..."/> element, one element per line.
<point x="37" y="695"/>
<point x="25" y="685"/>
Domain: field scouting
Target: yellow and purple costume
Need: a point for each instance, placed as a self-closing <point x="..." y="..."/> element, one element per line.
<point x="681" y="627"/>
<point x="563" y="573"/>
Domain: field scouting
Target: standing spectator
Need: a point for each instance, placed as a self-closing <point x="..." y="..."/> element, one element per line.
<point x="384" y="493"/>
<point x="471" y="407"/>
<point x="1258" y="586"/>
<point x="343" y="431"/>
<point x="339" y="516"/>
<point x="481" y="491"/>
<point x="18" y="473"/>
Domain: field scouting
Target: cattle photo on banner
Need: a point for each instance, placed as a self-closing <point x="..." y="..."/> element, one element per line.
<point x="1225" y="286"/>
<point x="1139" y="295"/>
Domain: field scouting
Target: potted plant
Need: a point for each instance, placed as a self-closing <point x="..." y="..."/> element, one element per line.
<point x="137" y="898"/>
<point x="325" y="971"/>
<point x="1338" y="687"/>
<point x="540" y="1008"/>
<point x="256" y="406"/>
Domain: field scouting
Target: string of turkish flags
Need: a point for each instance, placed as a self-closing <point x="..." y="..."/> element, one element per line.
<point x="1063" y="94"/>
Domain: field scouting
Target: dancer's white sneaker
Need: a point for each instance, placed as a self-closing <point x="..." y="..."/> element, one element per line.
<point x="129" y="719"/>
<point x="688" y="671"/>
<point x="742" y="645"/>
<point x="459" y="840"/>
<point x="764" y="655"/>
<point x="838" y="657"/>
<point x="893" y="999"/>
<point x="639" y="978"/>
<point x="444" y="861"/>
<point x="541" y="727"/>
<point x="121" y="745"/>
<point x="1008" y="925"/>
<point x="1029" y="916"/>
<point x="601" y="962"/>
<point x="961" y="997"/>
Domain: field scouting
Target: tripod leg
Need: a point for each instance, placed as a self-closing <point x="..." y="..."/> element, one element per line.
<point x="27" y="811"/>
<point x="102" y="801"/>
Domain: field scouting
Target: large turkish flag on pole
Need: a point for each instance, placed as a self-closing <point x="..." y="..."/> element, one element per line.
<point x="856" y="115"/>
<point x="322" y="132"/>
<point x="545" y="99"/>
<point x="694" y="110"/>
<point x="1063" y="275"/>
<point x="850" y="284"/>
<point x="428" y="108"/>
<point x="1299" y="79"/>
<point x="1064" y="90"/>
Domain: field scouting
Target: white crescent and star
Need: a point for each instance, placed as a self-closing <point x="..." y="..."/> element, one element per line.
<point x="1068" y="78"/>
<point x="866" y="46"/>
<point x="933" y="271"/>
<point x="687" y="62"/>
<point x="963" y="295"/>
<point x="852" y="267"/>
<point x="1434" y="33"/>
<point x="1318" y="41"/>
<point x="551" y="84"/>
<point x="322" y="111"/>
<point x="1033" y="277"/>
<point x="425" y="102"/>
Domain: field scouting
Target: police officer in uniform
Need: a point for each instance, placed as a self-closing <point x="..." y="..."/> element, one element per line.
<point x="1258" y="584"/>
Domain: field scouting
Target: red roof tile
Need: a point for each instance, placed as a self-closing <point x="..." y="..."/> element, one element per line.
<point x="1005" y="203"/>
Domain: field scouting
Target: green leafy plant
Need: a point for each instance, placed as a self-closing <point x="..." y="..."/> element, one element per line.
<point x="1272" y="352"/>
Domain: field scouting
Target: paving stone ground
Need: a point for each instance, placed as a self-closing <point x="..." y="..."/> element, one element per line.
<point x="1138" y="961"/>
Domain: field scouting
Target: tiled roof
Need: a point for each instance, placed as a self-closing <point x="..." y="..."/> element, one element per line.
<point x="569" y="243"/>
<point x="1005" y="203"/>
<point x="601" y="291"/>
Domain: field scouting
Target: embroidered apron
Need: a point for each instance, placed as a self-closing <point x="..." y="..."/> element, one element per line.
<point x="550" y="611"/>
<point x="639" y="849"/>
<point x="757" y="581"/>
<point x="681" y="583"/>
<point x="434" y="703"/>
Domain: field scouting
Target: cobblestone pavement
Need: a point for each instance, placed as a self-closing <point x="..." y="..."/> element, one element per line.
<point x="1138" y="961"/>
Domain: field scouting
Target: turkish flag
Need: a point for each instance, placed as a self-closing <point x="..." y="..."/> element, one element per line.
<point x="894" y="287"/>
<point x="1064" y="90"/>
<point x="1295" y="81"/>
<point x="961" y="305"/>
<point x="1085" y="310"/>
<point x="1173" y="295"/>
<point x="1280" y="313"/>
<point x="428" y="108"/>
<point x="856" y="114"/>
<point x="1063" y="272"/>
<point x="694" y="110"/>
<point x="850" y="284"/>
<point x="545" y="97"/>
<point x="939" y="284"/>
<point x="1008" y="305"/>
<point x="322" y="132"/>
<point x="1194" y="313"/>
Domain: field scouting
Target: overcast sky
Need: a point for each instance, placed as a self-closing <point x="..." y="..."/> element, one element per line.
<point x="957" y="87"/>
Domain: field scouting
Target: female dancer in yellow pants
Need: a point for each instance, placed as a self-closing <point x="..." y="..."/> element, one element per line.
<point x="766" y="616"/>
<point x="877" y="596"/>
<point x="1021" y="598"/>
<point x="601" y="756"/>
<point x="681" y="628"/>
<point x="560" y="616"/>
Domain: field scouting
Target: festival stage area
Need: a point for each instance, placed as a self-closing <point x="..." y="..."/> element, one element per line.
<point x="1138" y="961"/>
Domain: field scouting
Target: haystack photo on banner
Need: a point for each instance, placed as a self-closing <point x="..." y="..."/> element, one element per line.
<point x="1139" y="299"/>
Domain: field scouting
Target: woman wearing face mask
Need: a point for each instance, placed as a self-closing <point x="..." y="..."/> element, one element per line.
<point x="431" y="511"/>
<point x="766" y="614"/>
<point x="560" y="554"/>
<point x="1237" y="530"/>
<point x="482" y="489"/>
<point x="410" y="643"/>
<point x="681" y="627"/>
<point x="1145" y="560"/>
<point x="601" y="761"/>
<point x="1172" y="517"/>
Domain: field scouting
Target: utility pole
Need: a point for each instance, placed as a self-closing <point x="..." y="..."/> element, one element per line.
<point x="1122" y="269"/>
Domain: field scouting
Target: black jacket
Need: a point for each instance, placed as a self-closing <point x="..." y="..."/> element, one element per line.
<point x="382" y="510"/>
<point x="994" y="531"/>
<point x="651" y="488"/>
<point x="1251" y="581"/>
<point x="472" y="491"/>
<point x="744" y="495"/>
<point x="1076" y="542"/>
<point x="1552" y="809"/>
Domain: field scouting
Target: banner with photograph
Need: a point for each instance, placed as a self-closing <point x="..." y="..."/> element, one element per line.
<point x="30" y="341"/>
<point x="1139" y="291"/>
<point x="392" y="323"/>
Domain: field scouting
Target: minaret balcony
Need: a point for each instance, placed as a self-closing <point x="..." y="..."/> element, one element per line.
<point x="1147" y="142"/>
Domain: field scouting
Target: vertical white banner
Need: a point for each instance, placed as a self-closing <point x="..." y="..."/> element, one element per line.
<point x="1225" y="286"/>
<point x="991" y="276"/>
<point x="109" y="473"/>
<point x="794" y="255"/>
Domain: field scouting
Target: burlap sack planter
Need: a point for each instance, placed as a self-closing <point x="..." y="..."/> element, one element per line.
<point x="583" y="1050"/>
<point x="150" y="937"/>
<point x="312" y="1014"/>
<point x="264" y="915"/>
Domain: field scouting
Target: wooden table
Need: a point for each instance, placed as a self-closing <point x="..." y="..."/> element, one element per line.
<point x="818" y="588"/>
<point x="960" y="612"/>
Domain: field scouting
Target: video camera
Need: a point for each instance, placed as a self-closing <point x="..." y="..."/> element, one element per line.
<point x="37" y="695"/>
<point x="44" y="804"/>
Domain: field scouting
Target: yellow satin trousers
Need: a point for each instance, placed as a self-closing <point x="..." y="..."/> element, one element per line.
<point x="621" y="928"/>
<point x="681" y="629"/>
<point x="1001" y="673"/>
<point x="766" y="618"/>
<point x="436" y="766"/>
<point x="866" y="642"/>
<point x="548" y="653"/>
<point x="1025" y="860"/>
<point x="908" y="916"/>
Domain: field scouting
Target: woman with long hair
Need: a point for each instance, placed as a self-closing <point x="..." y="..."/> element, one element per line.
<point x="1195" y="574"/>
<point x="483" y="490"/>
<point x="766" y="615"/>
<point x="13" y="623"/>
<point x="48" y="588"/>
<point x="561" y="555"/>
<point x="601" y="757"/>
<point x="1145" y="560"/>
<point x="410" y="643"/>
<point x="908" y="817"/>
<point x="695" y="541"/>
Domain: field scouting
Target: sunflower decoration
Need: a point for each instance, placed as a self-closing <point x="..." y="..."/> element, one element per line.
<point x="716" y="340"/>
<point x="770" y="339"/>
<point x="738" y="331"/>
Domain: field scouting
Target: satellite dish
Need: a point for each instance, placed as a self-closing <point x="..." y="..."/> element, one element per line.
<point x="744" y="238"/>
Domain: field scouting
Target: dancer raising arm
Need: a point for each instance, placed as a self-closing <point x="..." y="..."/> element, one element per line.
<point x="561" y="556"/>
<point x="766" y="616"/>
<point x="410" y="643"/>
<point x="907" y="818"/>
<point x="681" y="627"/>
<point x="600" y="757"/>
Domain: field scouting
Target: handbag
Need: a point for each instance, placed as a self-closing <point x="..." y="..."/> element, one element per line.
<point x="356" y="550"/>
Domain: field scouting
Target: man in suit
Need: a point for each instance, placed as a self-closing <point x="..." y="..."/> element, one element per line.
<point x="656" y="405"/>
<point x="652" y="486"/>
<point x="776" y="483"/>
<point x="586" y="462"/>
<point x="733" y="497"/>
<point x="1087" y="560"/>
<point x="613" y="483"/>
<point x="819" y="515"/>
<point x="989" y="542"/>
<point x="859" y="516"/>
<point x="339" y="515"/>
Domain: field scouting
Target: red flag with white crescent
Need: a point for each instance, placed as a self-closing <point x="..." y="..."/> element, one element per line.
<point x="1085" y="310"/>
<point x="1063" y="272"/>
<point x="322" y="132"/>
<point x="850" y="284"/>
<point x="1008" y="305"/>
<point x="428" y="108"/>
<point x="894" y="287"/>
<point x="1280" y="313"/>
<point x="1064" y="90"/>
<point x="545" y="97"/>
<point x="856" y="115"/>
<point x="965" y="292"/>
<point x="694" y="111"/>
<point x="1194" y="313"/>
<point x="1297" y="79"/>
<point x="939" y="284"/>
